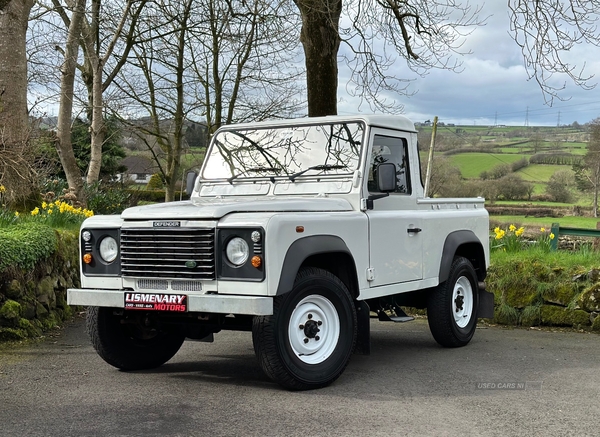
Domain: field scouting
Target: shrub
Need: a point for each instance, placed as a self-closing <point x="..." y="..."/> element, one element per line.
<point x="560" y="185"/>
<point x="512" y="187"/>
<point x="107" y="198"/>
<point x="518" y="165"/>
<point x="155" y="183"/>
<point x="22" y="245"/>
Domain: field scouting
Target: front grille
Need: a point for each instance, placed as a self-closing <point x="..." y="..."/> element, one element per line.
<point x="181" y="253"/>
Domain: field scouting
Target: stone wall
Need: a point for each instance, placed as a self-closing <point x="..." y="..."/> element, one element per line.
<point x="539" y="295"/>
<point x="34" y="301"/>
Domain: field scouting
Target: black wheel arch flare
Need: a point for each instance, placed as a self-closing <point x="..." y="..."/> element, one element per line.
<point x="462" y="243"/>
<point x="303" y="248"/>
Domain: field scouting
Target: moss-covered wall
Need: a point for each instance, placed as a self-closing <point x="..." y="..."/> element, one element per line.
<point x="34" y="300"/>
<point x="533" y="293"/>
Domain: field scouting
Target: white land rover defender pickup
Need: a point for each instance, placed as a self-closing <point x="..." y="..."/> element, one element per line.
<point x="296" y="230"/>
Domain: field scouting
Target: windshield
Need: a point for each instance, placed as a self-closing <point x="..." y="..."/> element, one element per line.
<point x="287" y="151"/>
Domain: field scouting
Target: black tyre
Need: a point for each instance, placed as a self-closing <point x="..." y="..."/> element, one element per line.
<point x="309" y="339"/>
<point x="452" y="306"/>
<point x="128" y="343"/>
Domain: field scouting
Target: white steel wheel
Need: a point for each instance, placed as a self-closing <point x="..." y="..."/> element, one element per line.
<point x="462" y="302"/>
<point x="452" y="305"/>
<point x="314" y="329"/>
<point x="308" y="340"/>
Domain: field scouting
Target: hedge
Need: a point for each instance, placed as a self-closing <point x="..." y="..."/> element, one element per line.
<point x="24" y="244"/>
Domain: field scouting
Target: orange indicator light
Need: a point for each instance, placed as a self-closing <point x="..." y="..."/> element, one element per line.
<point x="256" y="261"/>
<point x="87" y="258"/>
<point x="299" y="229"/>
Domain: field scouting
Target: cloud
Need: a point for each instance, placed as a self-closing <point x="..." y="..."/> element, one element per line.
<point x="494" y="86"/>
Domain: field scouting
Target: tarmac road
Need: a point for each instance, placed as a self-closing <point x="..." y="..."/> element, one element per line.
<point x="504" y="383"/>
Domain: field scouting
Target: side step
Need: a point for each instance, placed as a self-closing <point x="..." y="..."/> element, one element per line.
<point x="399" y="317"/>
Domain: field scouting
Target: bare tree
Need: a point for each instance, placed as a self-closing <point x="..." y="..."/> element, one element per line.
<point x="426" y="33"/>
<point x="587" y="172"/>
<point x="223" y="62"/>
<point x="546" y="32"/>
<point x="103" y="32"/>
<point x="244" y="55"/>
<point x="63" y="132"/>
<point x="445" y="177"/>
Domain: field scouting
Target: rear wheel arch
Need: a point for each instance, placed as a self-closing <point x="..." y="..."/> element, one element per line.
<point x="463" y="243"/>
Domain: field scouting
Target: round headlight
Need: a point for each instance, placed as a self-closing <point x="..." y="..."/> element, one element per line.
<point x="237" y="251"/>
<point x="255" y="236"/>
<point x="109" y="249"/>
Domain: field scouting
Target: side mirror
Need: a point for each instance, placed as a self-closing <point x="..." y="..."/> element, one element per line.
<point x="386" y="177"/>
<point x="190" y="181"/>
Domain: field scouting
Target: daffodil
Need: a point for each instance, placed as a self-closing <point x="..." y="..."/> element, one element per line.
<point x="512" y="228"/>
<point x="35" y="211"/>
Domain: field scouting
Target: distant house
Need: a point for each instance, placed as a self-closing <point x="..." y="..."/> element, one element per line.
<point x="139" y="169"/>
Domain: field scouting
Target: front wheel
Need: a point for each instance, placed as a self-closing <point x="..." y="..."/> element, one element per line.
<point x="309" y="339"/>
<point x="452" y="306"/>
<point x="132" y="341"/>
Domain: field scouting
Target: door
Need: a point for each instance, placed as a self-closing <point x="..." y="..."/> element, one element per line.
<point x="395" y="243"/>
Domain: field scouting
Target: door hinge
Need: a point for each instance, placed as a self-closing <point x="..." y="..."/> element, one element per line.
<point x="370" y="274"/>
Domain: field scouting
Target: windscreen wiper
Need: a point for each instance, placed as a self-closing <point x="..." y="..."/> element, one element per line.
<point x="317" y="167"/>
<point x="254" y="170"/>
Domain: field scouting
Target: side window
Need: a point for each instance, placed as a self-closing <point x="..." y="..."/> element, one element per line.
<point x="394" y="150"/>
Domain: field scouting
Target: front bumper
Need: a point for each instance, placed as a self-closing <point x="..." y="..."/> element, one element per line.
<point x="201" y="303"/>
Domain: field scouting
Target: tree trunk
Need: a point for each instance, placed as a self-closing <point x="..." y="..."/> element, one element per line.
<point x="97" y="126"/>
<point x="65" y="114"/>
<point x="92" y="43"/>
<point x="321" y="41"/>
<point x="14" y="15"/>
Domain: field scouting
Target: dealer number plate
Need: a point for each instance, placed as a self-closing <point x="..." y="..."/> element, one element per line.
<point x="156" y="302"/>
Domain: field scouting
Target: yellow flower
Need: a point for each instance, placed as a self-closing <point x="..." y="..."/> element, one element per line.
<point x="551" y="236"/>
<point x="519" y="231"/>
<point x="500" y="234"/>
<point x="543" y="229"/>
<point x="512" y="228"/>
<point x="2" y="189"/>
<point x="44" y="205"/>
<point x="497" y="229"/>
<point x="49" y="211"/>
<point x="16" y="213"/>
<point x="36" y="211"/>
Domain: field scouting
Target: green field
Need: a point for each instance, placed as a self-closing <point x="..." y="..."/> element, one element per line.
<point x="540" y="172"/>
<point x="472" y="164"/>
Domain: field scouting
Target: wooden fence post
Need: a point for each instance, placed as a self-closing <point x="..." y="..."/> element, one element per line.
<point x="556" y="231"/>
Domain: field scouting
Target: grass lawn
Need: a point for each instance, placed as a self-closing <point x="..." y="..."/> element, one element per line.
<point x="546" y="222"/>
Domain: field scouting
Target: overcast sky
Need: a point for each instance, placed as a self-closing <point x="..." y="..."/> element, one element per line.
<point x="493" y="87"/>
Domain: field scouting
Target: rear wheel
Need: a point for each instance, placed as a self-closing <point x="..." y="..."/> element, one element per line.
<point x="309" y="339"/>
<point x="452" y="306"/>
<point x="130" y="342"/>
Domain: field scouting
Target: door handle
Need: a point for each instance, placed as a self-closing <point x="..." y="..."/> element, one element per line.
<point x="414" y="230"/>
